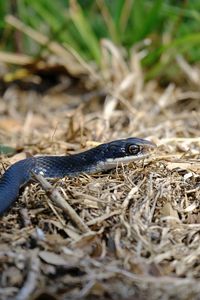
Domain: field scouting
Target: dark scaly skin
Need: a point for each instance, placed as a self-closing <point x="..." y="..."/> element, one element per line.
<point x="91" y="161"/>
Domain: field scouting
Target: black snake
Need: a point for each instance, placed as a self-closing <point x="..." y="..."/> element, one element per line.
<point x="103" y="157"/>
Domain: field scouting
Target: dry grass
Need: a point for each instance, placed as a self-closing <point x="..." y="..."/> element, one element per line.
<point x="143" y="219"/>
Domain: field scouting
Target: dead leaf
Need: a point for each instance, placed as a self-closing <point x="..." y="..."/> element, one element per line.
<point x="168" y="211"/>
<point x="10" y="125"/>
<point x="195" y="167"/>
<point x="52" y="258"/>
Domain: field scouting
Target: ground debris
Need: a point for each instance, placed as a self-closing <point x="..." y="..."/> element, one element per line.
<point x="141" y="222"/>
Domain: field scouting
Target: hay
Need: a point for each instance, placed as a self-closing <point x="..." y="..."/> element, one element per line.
<point x="143" y="219"/>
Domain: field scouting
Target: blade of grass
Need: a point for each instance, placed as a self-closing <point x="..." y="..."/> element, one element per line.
<point x="125" y="15"/>
<point x="54" y="20"/>
<point x="181" y="45"/>
<point x="84" y="28"/>
<point x="143" y="20"/>
<point x="109" y="21"/>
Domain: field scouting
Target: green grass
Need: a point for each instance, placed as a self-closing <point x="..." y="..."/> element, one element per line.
<point x="172" y="28"/>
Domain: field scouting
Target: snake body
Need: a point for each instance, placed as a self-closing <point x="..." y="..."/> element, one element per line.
<point x="103" y="157"/>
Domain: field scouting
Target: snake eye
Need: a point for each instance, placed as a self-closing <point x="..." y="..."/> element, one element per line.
<point x="133" y="149"/>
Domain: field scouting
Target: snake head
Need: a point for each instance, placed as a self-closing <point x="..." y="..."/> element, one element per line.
<point x="125" y="151"/>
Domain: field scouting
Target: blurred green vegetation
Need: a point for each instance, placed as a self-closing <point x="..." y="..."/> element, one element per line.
<point x="172" y="28"/>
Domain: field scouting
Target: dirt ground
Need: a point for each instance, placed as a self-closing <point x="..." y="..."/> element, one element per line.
<point x="140" y="236"/>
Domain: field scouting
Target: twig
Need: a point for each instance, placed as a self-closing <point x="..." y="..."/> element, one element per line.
<point x="106" y="216"/>
<point x="25" y="217"/>
<point x="43" y="40"/>
<point x="56" y="197"/>
<point x="18" y="59"/>
<point x="30" y="283"/>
